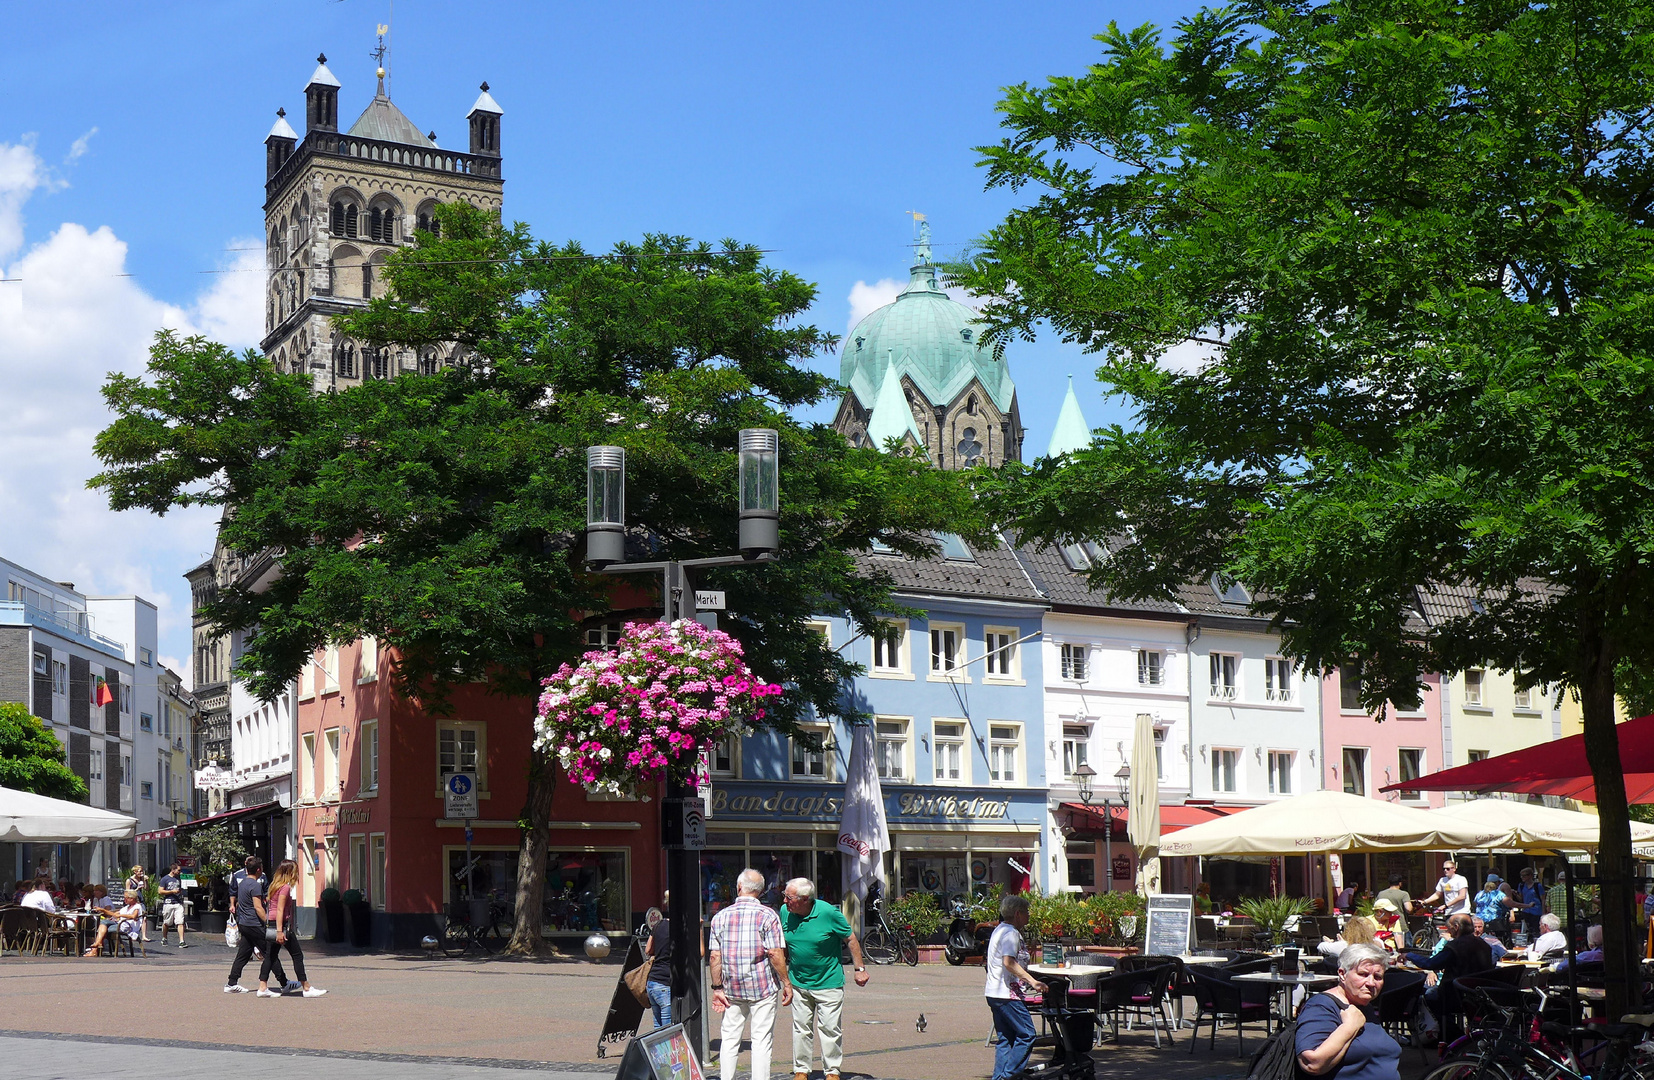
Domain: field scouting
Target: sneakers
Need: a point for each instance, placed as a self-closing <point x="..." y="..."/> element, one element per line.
<point x="293" y="987"/>
<point x="265" y="991"/>
<point x="235" y="988"/>
<point x="183" y="944"/>
<point x="314" y="991"/>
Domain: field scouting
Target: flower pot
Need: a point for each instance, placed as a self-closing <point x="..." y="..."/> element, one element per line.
<point x="932" y="954"/>
<point x="213" y="922"/>
<point x="360" y="917"/>
<point x="332" y="921"/>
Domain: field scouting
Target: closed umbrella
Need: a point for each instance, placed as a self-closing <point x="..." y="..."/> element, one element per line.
<point x="864" y="836"/>
<point x="1143" y="806"/>
<point x="1534" y="827"/>
<point x="27" y="818"/>
<point x="1331" y="821"/>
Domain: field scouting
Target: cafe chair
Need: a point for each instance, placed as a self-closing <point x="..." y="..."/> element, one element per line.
<point x="1398" y="1002"/>
<point x="1148" y="991"/>
<point x="59" y="932"/>
<point x="1216" y="998"/>
<point x="20" y="928"/>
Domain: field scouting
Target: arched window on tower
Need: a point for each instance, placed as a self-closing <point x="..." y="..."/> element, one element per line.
<point x="350" y="221"/>
<point x="345" y="361"/>
<point x="336" y="222"/>
<point x="367" y="281"/>
<point x="428" y="362"/>
<point x="377" y="364"/>
<point x="376" y="223"/>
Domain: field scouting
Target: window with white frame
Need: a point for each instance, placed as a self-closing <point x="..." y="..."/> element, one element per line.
<point x="376" y="863"/>
<point x="330" y="670"/>
<point x="1224" y="765"/>
<point x="146" y="657"/>
<point x="1277" y="678"/>
<point x="1355" y="770"/>
<point x="948" y="753"/>
<point x="461" y="747"/>
<point x="368" y="745"/>
<point x="307" y="766"/>
<point x="359" y="863"/>
<point x="1476" y="755"/>
<point x="1525" y="699"/>
<point x="307" y="679"/>
<point x="146" y="789"/>
<point x="1076" y="741"/>
<point x="723" y="757"/>
<point x="1411" y="766"/>
<point x="890" y="735"/>
<point x="330" y="763"/>
<point x="1160" y="752"/>
<point x="809" y="763"/>
<point x="1073" y="658"/>
<point x="1151" y="667"/>
<point x="1224" y="675"/>
<point x="1004" y="750"/>
<point x="1000" y="645"/>
<point x="1473" y="680"/>
<point x="42" y="662"/>
<point x="370" y="659"/>
<point x="945" y="659"/>
<point x="146" y="722"/>
<point x="1349" y="688"/>
<point x="60" y="678"/>
<point x="1280" y="772"/>
<point x="824" y="629"/>
<point x="94" y="767"/>
<point x="126" y="697"/>
<point x="890" y="648"/>
<point x="604" y="635"/>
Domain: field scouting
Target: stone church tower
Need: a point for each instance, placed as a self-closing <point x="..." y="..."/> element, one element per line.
<point x="336" y="204"/>
<point x="917" y="370"/>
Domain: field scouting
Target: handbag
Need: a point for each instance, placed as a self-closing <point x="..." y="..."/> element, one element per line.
<point x="637" y="981"/>
<point x="232" y="934"/>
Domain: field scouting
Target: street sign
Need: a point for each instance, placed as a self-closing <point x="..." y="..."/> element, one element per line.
<point x="683" y="824"/>
<point x="709" y="599"/>
<point x="460" y="795"/>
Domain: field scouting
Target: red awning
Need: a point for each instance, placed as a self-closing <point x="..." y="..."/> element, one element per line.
<point x="1553" y="768"/>
<point x="232" y="815"/>
<point x="1086" y="819"/>
<point x="158" y="834"/>
<point x="1172" y="818"/>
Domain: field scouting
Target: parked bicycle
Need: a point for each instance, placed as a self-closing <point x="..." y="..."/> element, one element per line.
<point x="1519" y="1045"/>
<point x="1431" y="927"/>
<point x="481" y="923"/>
<point x="885" y="943"/>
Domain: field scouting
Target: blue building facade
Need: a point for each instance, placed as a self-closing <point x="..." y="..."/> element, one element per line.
<point x="954" y="695"/>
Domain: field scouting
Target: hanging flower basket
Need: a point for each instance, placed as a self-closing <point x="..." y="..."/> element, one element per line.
<point x="649" y="707"/>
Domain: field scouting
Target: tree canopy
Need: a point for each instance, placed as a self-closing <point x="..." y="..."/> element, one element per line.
<point x="444" y="514"/>
<point x="1376" y="278"/>
<point x="31" y="758"/>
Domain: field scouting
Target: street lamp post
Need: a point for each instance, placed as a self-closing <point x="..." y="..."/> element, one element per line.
<point x="759" y="491"/>
<point x="1122" y="783"/>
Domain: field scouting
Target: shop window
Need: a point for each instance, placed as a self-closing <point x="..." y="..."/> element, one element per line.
<point x="1073" y="662"/>
<point x="1002" y="659"/>
<point x="890" y="648"/>
<point x="808" y="763"/>
<point x="725" y="756"/>
<point x="1225" y="669"/>
<point x="308" y="870"/>
<point x="462" y="747"/>
<point x="1076" y="739"/>
<point x="891" y="743"/>
<point x="307" y="767"/>
<point x="367" y="744"/>
<point x="1411" y="762"/>
<point x="1151" y="667"/>
<point x="376" y="870"/>
<point x="942" y="875"/>
<point x="948" y="752"/>
<point x="1277" y="678"/>
<point x="1280" y="772"/>
<point x="1224" y="764"/>
<point x="1355" y="771"/>
<point x="1473" y="680"/>
<point x="944" y="650"/>
<point x="330" y="764"/>
<point x="1004" y="748"/>
<point x="1082" y="864"/>
<point x="585" y="890"/>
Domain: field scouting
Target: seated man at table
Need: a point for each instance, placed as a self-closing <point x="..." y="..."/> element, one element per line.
<point x="1592" y="953"/>
<point x="1492" y="940"/>
<point x="1464" y="954"/>
<point x="39" y="898"/>
<point x="125" y="920"/>
<point x="1552" y="940"/>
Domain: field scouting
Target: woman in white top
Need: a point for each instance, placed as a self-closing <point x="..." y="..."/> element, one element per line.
<point x="1007" y="971"/>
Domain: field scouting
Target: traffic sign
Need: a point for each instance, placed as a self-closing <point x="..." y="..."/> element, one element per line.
<point x="709" y="599"/>
<point x="459" y="792"/>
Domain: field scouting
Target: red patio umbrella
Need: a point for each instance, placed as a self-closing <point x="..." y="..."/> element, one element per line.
<point x="1553" y="768"/>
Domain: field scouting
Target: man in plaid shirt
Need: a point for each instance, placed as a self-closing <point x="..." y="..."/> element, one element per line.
<point x="746" y="945"/>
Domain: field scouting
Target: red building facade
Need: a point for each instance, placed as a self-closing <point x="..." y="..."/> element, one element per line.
<point x="368" y="809"/>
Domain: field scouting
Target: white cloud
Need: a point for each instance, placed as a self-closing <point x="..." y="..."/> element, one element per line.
<point x="73" y="317"/>
<point x="78" y="148"/>
<point x="1187" y="357"/>
<point x="866" y="299"/>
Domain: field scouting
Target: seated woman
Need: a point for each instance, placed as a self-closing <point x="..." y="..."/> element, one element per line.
<point x="125" y="920"/>
<point x="1338" y="1031"/>
<point x="1358" y="930"/>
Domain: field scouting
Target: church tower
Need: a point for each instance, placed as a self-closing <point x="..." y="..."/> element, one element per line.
<point x="917" y="370"/>
<point x="337" y="204"/>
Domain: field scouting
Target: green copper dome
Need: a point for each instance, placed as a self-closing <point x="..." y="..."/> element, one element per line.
<point x="927" y="336"/>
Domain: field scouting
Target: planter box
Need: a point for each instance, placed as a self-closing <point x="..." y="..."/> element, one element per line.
<point x="932" y="954"/>
<point x="213" y="922"/>
<point x="359" y="916"/>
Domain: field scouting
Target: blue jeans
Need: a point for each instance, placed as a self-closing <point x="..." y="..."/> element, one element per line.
<point x="1016" y="1036"/>
<point x="660" y="1002"/>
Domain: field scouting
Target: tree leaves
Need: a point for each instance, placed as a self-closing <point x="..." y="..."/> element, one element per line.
<point x="31" y="758"/>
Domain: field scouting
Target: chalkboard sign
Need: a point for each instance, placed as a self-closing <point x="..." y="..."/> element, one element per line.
<point x="1171" y="922"/>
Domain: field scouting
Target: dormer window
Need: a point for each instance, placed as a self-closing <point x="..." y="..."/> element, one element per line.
<point x="1229" y="590"/>
<point x="953" y="547"/>
<point x="965" y="333"/>
<point x="859" y="342"/>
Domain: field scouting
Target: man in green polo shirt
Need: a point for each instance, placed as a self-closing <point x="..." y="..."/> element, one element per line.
<point x="815" y="932"/>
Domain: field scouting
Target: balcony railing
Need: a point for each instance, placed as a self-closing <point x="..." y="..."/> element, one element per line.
<point x="68" y="623"/>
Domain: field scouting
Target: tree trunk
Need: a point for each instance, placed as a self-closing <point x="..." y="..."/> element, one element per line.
<point x="531" y="860"/>
<point x="1621" y="969"/>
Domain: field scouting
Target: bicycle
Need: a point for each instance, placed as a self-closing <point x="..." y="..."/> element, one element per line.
<point x="885" y="944"/>
<point x="482" y="923"/>
<point x="1525" y="1048"/>
<point x="1434" y="925"/>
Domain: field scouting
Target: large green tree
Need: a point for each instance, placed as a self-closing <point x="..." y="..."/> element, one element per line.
<point x="1376" y="278"/>
<point x="31" y="758"/>
<point x="444" y="514"/>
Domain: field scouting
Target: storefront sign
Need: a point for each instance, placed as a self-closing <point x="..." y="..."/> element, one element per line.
<point x="326" y="817"/>
<point x="824" y="803"/>
<point x="1122" y="868"/>
<point x="354" y="815"/>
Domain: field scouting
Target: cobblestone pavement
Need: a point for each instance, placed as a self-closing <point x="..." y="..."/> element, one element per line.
<point x="418" y="1017"/>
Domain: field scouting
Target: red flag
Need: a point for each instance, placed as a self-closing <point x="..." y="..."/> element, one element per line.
<point x="101" y="694"/>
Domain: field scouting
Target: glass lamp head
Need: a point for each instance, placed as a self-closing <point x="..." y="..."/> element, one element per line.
<point x="605" y="505"/>
<point x="760" y="491"/>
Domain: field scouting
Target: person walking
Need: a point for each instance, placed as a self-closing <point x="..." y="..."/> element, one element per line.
<point x="280" y="908"/>
<point x="172" y="904"/>
<point x="1530" y="899"/>
<point x="1007" y="965"/>
<point x="659" y="951"/>
<point x="816" y="932"/>
<point x="249" y="914"/>
<point x="748" y="960"/>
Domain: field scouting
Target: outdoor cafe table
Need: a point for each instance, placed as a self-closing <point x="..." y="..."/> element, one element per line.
<point x="1079" y="976"/>
<point x="1285" y="984"/>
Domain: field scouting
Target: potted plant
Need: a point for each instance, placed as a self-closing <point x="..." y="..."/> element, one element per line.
<point x="1271" y="914"/>
<point x="150" y="897"/>
<point x="920" y="911"/>
<point x="330" y="910"/>
<point x="217" y="851"/>
<point x="360" y="917"/>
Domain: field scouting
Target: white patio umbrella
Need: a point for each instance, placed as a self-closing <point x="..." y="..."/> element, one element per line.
<point x="1143" y="806"/>
<point x="27" y="818"/>
<point x="1330" y="821"/>
<point x="1536" y="828"/>
<point x="864" y="836"/>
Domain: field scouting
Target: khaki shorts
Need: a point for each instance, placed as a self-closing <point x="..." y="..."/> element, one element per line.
<point x="172" y="914"/>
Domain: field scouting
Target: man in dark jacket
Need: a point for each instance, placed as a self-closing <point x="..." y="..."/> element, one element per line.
<point x="1464" y="954"/>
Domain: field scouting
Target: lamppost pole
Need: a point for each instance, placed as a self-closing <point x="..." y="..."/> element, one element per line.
<point x="758" y="539"/>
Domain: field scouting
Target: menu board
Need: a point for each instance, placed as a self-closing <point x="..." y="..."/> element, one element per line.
<point x="1171" y="922"/>
<point x="670" y="1055"/>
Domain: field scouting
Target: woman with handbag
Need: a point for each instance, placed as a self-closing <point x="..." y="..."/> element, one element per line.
<point x="280" y="909"/>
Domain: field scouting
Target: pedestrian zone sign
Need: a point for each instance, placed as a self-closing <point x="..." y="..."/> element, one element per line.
<point x="460" y="795"/>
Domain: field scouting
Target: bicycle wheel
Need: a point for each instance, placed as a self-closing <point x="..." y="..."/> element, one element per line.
<point x="495" y="936"/>
<point x="1469" y="1069"/>
<point x="455" y="937"/>
<point x="878" y="946"/>
<point x="907" y="945"/>
<point x="1424" y="938"/>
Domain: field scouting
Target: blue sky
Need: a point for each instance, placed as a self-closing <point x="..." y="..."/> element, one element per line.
<point x="132" y="165"/>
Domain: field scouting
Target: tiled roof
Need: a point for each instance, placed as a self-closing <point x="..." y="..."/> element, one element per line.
<point x="1066" y="586"/>
<point x="384" y="121"/>
<point x="993" y="574"/>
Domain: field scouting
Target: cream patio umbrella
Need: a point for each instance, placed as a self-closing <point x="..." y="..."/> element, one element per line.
<point x="27" y="818"/>
<point x="1533" y="827"/>
<point x="1330" y="821"/>
<point x="1143" y="806"/>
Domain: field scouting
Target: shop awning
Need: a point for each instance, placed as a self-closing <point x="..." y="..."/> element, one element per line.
<point x="158" y="834"/>
<point x="27" y="818"/>
<point x="1173" y="818"/>
<point x="1552" y="768"/>
<point x="228" y="816"/>
<point x="1090" y="819"/>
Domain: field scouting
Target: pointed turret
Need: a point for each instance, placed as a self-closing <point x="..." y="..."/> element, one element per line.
<point x="321" y="98"/>
<point x="1072" y="432"/>
<point x="485" y="124"/>
<point x="278" y="145"/>
<point x="892" y="418"/>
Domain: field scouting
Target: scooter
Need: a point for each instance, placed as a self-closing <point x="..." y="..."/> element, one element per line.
<point x="966" y="936"/>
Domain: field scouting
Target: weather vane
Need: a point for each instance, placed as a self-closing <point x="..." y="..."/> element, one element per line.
<point x="378" y="55"/>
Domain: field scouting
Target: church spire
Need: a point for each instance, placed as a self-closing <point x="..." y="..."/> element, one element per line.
<point x="892" y="418"/>
<point x="1072" y="432"/>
